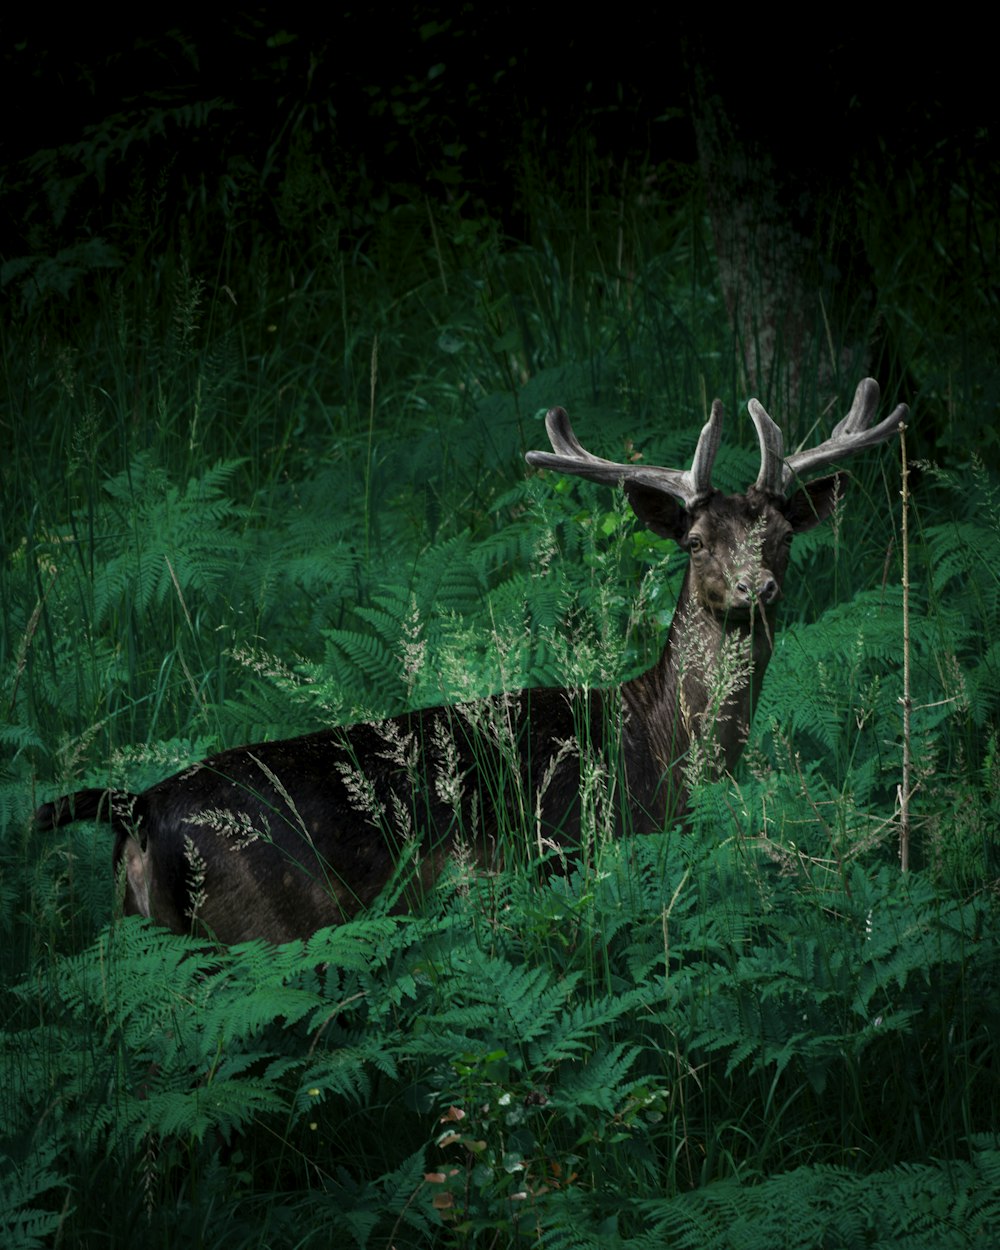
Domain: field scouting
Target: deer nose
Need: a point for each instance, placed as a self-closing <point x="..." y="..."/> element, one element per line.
<point x="766" y="590"/>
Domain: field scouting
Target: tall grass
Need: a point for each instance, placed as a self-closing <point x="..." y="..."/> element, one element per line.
<point x="243" y="510"/>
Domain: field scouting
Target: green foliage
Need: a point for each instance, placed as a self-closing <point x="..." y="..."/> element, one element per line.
<point x="914" y="1205"/>
<point x="184" y="541"/>
<point x="246" y="502"/>
<point x="526" y="1093"/>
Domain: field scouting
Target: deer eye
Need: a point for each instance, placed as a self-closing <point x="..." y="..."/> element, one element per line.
<point x="695" y="543"/>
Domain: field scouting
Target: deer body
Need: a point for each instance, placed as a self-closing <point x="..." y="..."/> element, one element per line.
<point x="279" y="839"/>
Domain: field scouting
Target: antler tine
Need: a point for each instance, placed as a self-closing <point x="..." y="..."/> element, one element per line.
<point x="570" y="456"/>
<point x="850" y="435"/>
<point x="772" y="450"/>
<point x="563" y="439"/>
<point x="709" y="441"/>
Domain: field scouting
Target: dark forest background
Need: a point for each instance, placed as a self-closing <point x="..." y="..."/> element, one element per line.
<point x="262" y="137"/>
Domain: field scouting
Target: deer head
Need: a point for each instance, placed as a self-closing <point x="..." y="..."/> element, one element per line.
<point x="738" y="543"/>
<point x="739" y="549"/>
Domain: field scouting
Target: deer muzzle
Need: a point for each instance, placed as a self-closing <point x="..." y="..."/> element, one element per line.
<point x="757" y="586"/>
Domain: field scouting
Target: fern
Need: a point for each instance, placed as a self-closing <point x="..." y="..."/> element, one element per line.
<point x="602" y="1081"/>
<point x="776" y="992"/>
<point x="182" y="543"/>
<point x="350" y="1211"/>
<point x="919" y="1206"/>
<point x="368" y="663"/>
<point x="23" y="1225"/>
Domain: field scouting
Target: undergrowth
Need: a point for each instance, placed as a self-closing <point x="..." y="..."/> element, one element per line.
<point x="246" y="510"/>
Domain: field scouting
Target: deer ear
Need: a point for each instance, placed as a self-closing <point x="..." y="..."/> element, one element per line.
<point x="658" y="511"/>
<point x="814" y="502"/>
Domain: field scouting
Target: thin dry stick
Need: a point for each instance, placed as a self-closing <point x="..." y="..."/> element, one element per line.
<point x="371" y="433"/>
<point x="907" y="702"/>
<point x="437" y="245"/>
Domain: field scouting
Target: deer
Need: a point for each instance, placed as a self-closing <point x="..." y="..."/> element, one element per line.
<point x="278" y="839"/>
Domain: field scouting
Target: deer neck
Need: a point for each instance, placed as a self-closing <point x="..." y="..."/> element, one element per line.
<point x="692" y="710"/>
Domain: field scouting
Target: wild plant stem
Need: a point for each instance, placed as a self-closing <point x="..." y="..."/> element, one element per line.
<point x="437" y="246"/>
<point x="368" y="456"/>
<point x="907" y="702"/>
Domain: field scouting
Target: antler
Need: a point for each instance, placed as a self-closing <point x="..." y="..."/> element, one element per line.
<point x="853" y="434"/>
<point x="690" y="486"/>
<point x="850" y="435"/>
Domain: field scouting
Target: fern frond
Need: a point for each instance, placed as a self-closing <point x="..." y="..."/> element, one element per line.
<point x="601" y="1082"/>
<point x="23" y="1225"/>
